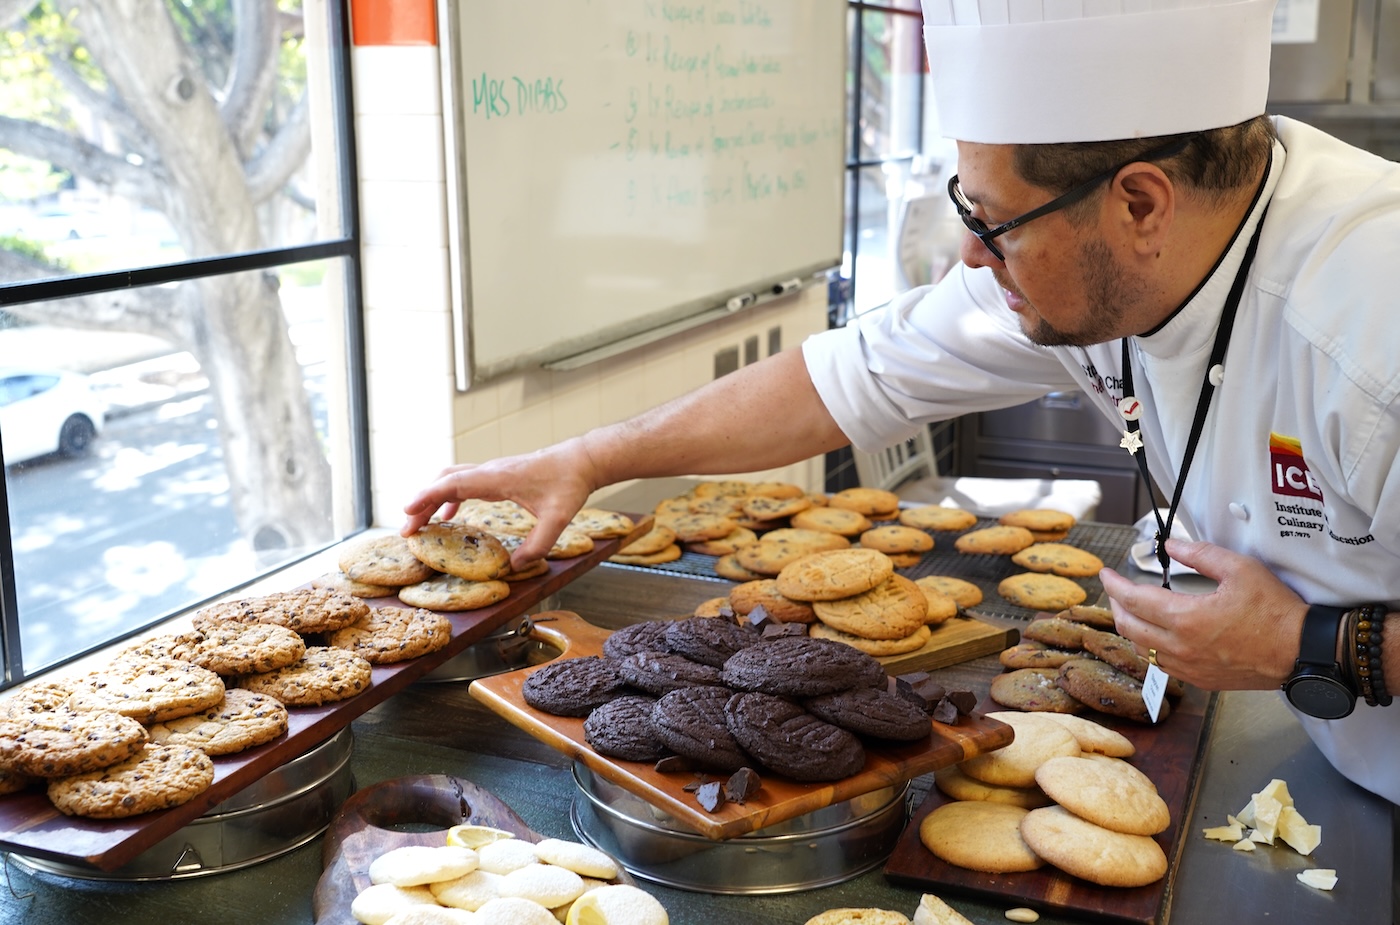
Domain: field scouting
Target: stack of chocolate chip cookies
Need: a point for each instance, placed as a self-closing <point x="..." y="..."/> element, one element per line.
<point x="1064" y="793"/>
<point x="1073" y="661"/>
<point x="133" y="737"/>
<point x="464" y="563"/>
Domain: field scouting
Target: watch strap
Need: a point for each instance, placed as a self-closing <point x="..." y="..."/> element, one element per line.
<point x="1318" y="643"/>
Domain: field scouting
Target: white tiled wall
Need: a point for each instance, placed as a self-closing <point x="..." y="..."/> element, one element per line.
<point x="418" y="422"/>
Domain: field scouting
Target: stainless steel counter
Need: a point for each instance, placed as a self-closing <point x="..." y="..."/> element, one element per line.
<point x="439" y="728"/>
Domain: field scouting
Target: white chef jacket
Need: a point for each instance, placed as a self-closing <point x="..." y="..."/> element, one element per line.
<point x="1297" y="464"/>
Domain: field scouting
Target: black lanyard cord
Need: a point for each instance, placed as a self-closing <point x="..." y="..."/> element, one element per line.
<point x="1217" y="356"/>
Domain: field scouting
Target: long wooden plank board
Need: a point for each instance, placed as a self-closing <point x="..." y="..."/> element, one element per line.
<point x="31" y="826"/>
<point x="1167" y="753"/>
<point x="779" y="799"/>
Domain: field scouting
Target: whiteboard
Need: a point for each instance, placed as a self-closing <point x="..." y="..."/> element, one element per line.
<point x="618" y="166"/>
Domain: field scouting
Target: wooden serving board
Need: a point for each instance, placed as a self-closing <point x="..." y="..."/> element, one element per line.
<point x="956" y="640"/>
<point x="31" y="826"/>
<point x="778" y="800"/>
<point x="364" y="829"/>
<point x="1166" y="752"/>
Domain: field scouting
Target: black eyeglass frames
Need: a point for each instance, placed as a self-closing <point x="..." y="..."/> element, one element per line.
<point x="985" y="234"/>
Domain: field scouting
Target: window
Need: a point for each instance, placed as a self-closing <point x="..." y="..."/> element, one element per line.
<point x="179" y="257"/>
<point x="885" y="155"/>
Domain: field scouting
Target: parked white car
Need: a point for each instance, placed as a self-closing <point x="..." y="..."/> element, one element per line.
<point x="46" y="411"/>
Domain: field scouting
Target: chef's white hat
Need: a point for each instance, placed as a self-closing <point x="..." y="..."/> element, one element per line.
<point x="1045" y="71"/>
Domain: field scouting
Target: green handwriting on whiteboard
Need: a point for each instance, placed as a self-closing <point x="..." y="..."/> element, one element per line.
<point x="496" y="97"/>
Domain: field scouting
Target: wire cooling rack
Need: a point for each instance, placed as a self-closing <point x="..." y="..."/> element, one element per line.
<point x="1110" y="542"/>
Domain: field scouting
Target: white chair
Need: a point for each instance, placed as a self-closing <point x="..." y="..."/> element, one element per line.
<point x="894" y="465"/>
<point x="910" y="470"/>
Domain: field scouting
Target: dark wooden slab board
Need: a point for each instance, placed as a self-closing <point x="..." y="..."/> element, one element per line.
<point x="31" y="826"/>
<point x="778" y="800"/>
<point x="1166" y="752"/>
<point x="395" y="813"/>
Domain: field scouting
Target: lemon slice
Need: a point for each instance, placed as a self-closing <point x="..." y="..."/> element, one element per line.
<point x="474" y="836"/>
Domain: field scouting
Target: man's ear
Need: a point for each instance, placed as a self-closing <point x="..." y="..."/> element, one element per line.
<point x="1148" y="197"/>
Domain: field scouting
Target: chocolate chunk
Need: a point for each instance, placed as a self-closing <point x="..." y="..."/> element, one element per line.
<point x="775" y="630"/>
<point x="672" y="763"/>
<point x="742" y="784"/>
<point x="711" y="796"/>
<point x="945" y="712"/>
<point x="930" y="690"/>
<point x="964" y="700"/>
<point x="759" y="617"/>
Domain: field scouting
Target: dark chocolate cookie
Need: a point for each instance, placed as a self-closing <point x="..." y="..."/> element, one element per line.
<point x="649" y="636"/>
<point x="874" y="712"/>
<point x="573" y="686"/>
<point x="709" y="640"/>
<point x="802" y="666"/>
<point x="691" y="723"/>
<point x="662" y="672"/>
<point x="621" y="728"/>
<point x="787" y="739"/>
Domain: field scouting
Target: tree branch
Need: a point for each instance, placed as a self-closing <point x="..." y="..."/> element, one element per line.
<point x="253" y="78"/>
<point x="77" y="156"/>
<point x="283" y="155"/>
<point x="104" y="106"/>
<point x="153" y="310"/>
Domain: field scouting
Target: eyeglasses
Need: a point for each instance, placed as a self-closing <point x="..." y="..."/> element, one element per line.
<point x="985" y="234"/>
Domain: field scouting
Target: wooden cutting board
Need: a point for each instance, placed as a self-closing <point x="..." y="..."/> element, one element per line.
<point x="778" y="800"/>
<point x="1167" y="753"/>
<point x="365" y="828"/>
<point x="953" y="641"/>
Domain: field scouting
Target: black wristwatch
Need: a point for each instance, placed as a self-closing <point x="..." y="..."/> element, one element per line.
<point x="1316" y="685"/>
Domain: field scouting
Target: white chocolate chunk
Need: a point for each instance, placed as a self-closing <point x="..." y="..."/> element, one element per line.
<point x="1318" y="878"/>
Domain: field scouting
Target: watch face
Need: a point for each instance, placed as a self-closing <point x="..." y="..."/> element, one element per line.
<point x="1320" y="696"/>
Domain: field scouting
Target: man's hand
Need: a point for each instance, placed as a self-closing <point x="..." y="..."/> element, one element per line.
<point x="553" y="484"/>
<point x="1241" y="636"/>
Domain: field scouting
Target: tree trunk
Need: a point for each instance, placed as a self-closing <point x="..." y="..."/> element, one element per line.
<point x="236" y="328"/>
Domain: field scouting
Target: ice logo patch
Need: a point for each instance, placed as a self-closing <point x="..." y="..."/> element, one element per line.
<point x="1289" y="470"/>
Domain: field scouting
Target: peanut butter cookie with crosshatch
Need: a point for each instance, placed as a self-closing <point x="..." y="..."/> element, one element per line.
<point x="835" y="574"/>
<point x="893" y="609"/>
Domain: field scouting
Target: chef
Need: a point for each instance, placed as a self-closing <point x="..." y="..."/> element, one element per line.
<point x="1216" y="280"/>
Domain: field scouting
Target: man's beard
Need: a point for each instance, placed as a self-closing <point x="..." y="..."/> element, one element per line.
<point x="1107" y="290"/>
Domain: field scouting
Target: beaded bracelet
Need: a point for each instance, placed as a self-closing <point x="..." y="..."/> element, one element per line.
<point x="1367" y="626"/>
<point x="1346" y="645"/>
